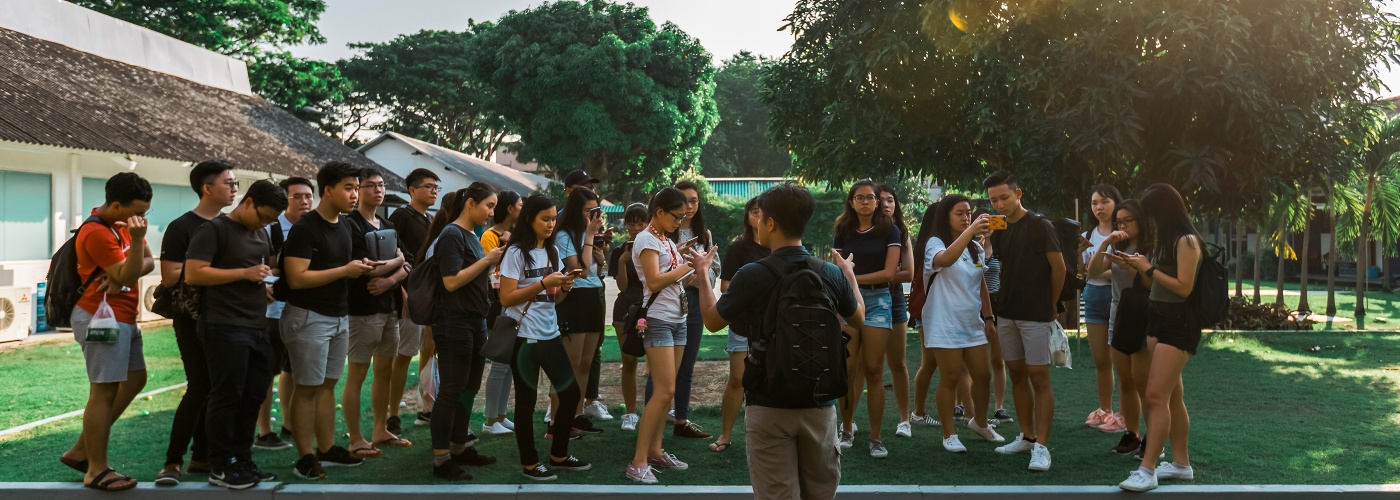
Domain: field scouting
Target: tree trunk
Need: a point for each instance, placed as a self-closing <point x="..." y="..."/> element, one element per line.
<point x="1363" y="256"/>
<point x="1282" y="276"/>
<point x="1258" y="260"/>
<point x="1332" y="266"/>
<point x="1241" y="245"/>
<point x="1303" y="306"/>
<point x="1385" y="271"/>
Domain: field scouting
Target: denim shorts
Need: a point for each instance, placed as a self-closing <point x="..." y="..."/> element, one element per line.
<point x="663" y="334"/>
<point x="1098" y="303"/>
<point x="879" y="311"/>
<point x="736" y="343"/>
<point x="899" y="305"/>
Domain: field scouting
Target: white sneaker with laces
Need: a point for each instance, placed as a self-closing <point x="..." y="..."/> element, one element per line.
<point x="1140" y="480"/>
<point x="845" y="439"/>
<point x="989" y="432"/>
<point x="597" y="410"/>
<point x="1018" y="445"/>
<point x="643" y="475"/>
<point x="496" y="429"/>
<point x="877" y="450"/>
<point x="903" y="430"/>
<point x="923" y="420"/>
<point x="1170" y="470"/>
<point x="953" y="444"/>
<point x="1040" y="458"/>
<point x="629" y="422"/>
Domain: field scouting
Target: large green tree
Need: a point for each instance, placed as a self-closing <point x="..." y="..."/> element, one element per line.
<point x="598" y="85"/>
<point x="739" y="146"/>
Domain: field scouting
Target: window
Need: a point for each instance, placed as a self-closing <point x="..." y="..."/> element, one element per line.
<point x="168" y="202"/>
<point x="26" y="229"/>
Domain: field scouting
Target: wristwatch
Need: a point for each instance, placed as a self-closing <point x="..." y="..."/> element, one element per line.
<point x="1151" y="271"/>
<point x="988" y="318"/>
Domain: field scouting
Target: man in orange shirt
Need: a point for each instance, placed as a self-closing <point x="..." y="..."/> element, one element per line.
<point x="113" y="244"/>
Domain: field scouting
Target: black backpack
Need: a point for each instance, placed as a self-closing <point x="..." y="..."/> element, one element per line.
<point x="1211" y="295"/>
<point x="804" y="349"/>
<point x="64" y="286"/>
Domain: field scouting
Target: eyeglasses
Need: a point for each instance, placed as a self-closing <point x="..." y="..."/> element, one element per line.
<point x="230" y="184"/>
<point x="692" y="202"/>
<point x="1124" y="222"/>
<point x="679" y="218"/>
<point x="372" y="185"/>
<point x="434" y="187"/>
<point x="306" y="196"/>
<point x="864" y="198"/>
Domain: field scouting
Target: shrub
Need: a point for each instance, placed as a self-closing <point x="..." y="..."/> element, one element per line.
<point x="1245" y="315"/>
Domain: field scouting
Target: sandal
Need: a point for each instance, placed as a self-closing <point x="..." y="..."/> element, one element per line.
<point x="719" y="447"/>
<point x="395" y="442"/>
<point x="98" y="484"/>
<point x="367" y="452"/>
<point x="77" y="465"/>
<point x="168" y="477"/>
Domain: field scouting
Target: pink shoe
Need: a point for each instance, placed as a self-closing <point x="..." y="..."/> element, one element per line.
<point x="1113" y="424"/>
<point x="1096" y="418"/>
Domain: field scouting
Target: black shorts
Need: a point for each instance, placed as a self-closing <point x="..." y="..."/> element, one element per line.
<point x="581" y="311"/>
<point x="279" y="350"/>
<point x="1175" y="324"/>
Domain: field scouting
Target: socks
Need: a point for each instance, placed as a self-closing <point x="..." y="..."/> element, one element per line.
<point x="441" y="458"/>
<point x="458" y="449"/>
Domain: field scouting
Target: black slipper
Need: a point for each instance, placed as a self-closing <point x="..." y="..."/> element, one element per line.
<point x="77" y="465"/>
<point x="98" y="484"/>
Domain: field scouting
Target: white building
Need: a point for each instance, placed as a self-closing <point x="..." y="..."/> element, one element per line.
<point x="401" y="154"/>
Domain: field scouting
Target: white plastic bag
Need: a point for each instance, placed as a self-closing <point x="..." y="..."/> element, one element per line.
<point x="428" y="384"/>
<point x="103" y="327"/>
<point x="1059" y="346"/>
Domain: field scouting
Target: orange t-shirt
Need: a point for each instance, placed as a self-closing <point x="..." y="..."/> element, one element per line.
<point x="99" y="247"/>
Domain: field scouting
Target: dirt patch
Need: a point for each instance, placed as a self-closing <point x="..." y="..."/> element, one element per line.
<point x="707" y="387"/>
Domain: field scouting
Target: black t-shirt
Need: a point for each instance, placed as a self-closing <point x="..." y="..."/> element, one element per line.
<point x="633" y="293"/>
<point x="413" y="230"/>
<point x="362" y="303"/>
<point x="738" y="254"/>
<point x="1021" y="248"/>
<point x="327" y="245"/>
<point x="226" y="244"/>
<point x="870" y="248"/>
<point x="458" y="249"/>
<point x="177" y="236"/>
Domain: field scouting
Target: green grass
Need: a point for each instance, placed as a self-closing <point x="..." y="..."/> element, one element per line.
<point x="1265" y="409"/>
<point x="1382" y="308"/>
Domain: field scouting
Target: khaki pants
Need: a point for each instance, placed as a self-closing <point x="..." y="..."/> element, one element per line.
<point x="792" y="453"/>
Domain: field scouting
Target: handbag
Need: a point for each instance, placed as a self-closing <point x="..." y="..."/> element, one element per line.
<point x="1130" y="320"/>
<point x="500" y="341"/>
<point x="632" y="336"/>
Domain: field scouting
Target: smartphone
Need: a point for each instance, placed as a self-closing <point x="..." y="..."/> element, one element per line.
<point x="996" y="223"/>
<point x="377" y="263"/>
<point x="270" y="279"/>
<point x="1120" y="253"/>
<point x="687" y="275"/>
<point x="688" y="242"/>
<point x="577" y="273"/>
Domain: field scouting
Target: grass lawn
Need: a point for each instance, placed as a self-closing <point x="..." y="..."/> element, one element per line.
<point x="1266" y="410"/>
<point x="1382" y="308"/>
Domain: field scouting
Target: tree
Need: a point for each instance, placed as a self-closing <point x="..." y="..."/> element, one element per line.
<point x="1375" y="179"/>
<point x="306" y="88"/>
<point x="597" y="85"/>
<point x="739" y="146"/>
<point x="422" y="84"/>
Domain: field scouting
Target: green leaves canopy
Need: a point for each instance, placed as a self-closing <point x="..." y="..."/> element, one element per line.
<point x="739" y="147"/>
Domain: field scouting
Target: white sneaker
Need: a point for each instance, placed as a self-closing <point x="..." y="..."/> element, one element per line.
<point x="1140" y="480"/>
<point x="923" y="420"/>
<point x="496" y="429"/>
<point x="597" y="410"/>
<point x="671" y="416"/>
<point x="548" y="411"/>
<point x="1018" y="445"/>
<point x="903" y="430"/>
<point x="1040" y="458"/>
<point x="1170" y="470"/>
<point x="989" y="432"/>
<point x="845" y="439"/>
<point x="877" y="450"/>
<point x="953" y="444"/>
<point x="629" y="422"/>
<point x="853" y="428"/>
<point x="508" y="424"/>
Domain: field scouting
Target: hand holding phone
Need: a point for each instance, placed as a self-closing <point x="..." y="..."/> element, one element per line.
<point x="997" y="223"/>
<point x="688" y="243"/>
<point x="577" y="273"/>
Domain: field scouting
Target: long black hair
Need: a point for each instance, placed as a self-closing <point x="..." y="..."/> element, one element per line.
<point x="848" y="223"/>
<point x="505" y="199"/>
<point x="898" y="216"/>
<point x="935" y="224"/>
<point x="697" y="223"/>
<point x="1168" y="220"/>
<point x="522" y="234"/>
<point x="575" y="219"/>
<point x="668" y="199"/>
<point x="749" y="230"/>
<point x="452" y="206"/>
<point x="1144" y="237"/>
<point x="1110" y="192"/>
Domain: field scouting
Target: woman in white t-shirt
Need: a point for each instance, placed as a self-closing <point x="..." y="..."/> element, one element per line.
<point x="661" y="268"/>
<point x="1098" y="306"/>
<point x="531" y="284"/>
<point x="958" y="313"/>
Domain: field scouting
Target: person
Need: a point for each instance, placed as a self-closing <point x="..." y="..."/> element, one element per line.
<point x="578" y="178"/>
<point x="691" y="232"/>
<point x="498" y="381"/>
<point x="228" y="257"/>
<point x="300" y="192"/>
<point x="629" y="293"/>
<point x="868" y="235"/>
<point x="580" y="317"/>
<point x="1026" y="307"/>
<point x="217" y="188"/>
<point x="412" y="221"/>
<point x="593" y="407"/>
<point x="531" y="284"/>
<point x="1098" y="303"/>
<point x="958" y="320"/>
<point x="899" y="310"/>
<point x="112" y="241"/>
<point x="376" y="303"/>
<point x="993" y="278"/>
<point x="459" y="327"/>
<point x="747" y="248"/>
<point x="315" y="324"/>
<point x="789" y="448"/>
<point x="1173" y="333"/>
<point x="1127" y="328"/>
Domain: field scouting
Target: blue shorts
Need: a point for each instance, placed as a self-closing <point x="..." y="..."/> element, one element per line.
<point x="879" y="311"/>
<point x="899" y="305"/>
<point x="663" y="334"/>
<point x="736" y="343"/>
<point x="1098" y="303"/>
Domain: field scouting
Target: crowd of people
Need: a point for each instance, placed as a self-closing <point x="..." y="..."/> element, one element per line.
<point x="304" y="292"/>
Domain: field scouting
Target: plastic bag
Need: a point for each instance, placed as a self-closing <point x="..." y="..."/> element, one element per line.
<point x="104" y="327"/>
<point x="428" y="384"/>
<point x="1059" y="346"/>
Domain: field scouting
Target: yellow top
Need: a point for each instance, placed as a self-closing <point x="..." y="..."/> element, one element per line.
<point x="490" y="239"/>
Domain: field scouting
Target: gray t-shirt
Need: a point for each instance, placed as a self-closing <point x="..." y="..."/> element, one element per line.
<point x="226" y="244"/>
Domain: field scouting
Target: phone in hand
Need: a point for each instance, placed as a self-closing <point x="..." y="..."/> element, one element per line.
<point x="996" y="223"/>
<point x="688" y="242"/>
<point x="270" y="279"/>
<point x="577" y="273"/>
<point x="687" y="275"/>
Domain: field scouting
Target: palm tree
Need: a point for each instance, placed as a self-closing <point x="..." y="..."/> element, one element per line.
<point x="1291" y="209"/>
<point x="1242" y="245"/>
<point x="1378" y="170"/>
<point x="1340" y="200"/>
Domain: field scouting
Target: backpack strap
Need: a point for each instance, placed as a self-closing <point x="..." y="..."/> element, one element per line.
<point x="99" y="271"/>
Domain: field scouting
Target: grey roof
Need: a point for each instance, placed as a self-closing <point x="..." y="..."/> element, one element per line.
<point x="476" y="169"/>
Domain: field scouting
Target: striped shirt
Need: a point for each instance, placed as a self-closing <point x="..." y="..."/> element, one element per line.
<point x="993" y="275"/>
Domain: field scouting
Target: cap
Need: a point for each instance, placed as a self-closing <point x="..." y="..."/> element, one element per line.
<point x="578" y="178"/>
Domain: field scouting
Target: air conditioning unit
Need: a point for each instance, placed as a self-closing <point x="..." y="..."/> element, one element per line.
<point x="147" y="285"/>
<point x="16" y="313"/>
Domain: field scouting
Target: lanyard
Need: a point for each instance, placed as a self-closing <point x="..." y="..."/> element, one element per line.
<point x="670" y="248"/>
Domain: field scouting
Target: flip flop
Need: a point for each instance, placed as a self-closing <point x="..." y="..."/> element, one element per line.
<point x="77" y="465"/>
<point x="98" y="484"/>
<point x="719" y="447"/>
<point x="395" y="442"/>
<point x="370" y="452"/>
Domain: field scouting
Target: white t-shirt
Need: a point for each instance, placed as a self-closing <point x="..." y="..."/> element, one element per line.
<point x="540" y="323"/>
<point x="953" y="311"/>
<point x="1095" y="239"/>
<point x="668" y="304"/>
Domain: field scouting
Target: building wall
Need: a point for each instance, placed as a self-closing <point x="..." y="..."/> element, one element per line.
<point x="400" y="159"/>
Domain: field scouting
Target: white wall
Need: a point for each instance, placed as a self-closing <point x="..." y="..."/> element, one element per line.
<point x="398" y="157"/>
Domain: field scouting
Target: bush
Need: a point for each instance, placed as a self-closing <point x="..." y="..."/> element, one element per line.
<point x="1245" y="315"/>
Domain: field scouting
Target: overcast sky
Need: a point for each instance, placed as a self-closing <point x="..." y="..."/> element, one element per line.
<point x="724" y="27"/>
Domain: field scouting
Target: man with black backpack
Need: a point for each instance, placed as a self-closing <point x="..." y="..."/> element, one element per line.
<point x="796" y="367"/>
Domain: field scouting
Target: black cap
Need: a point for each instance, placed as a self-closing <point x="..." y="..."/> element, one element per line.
<point x="578" y="178"/>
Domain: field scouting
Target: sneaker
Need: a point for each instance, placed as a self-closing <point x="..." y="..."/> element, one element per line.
<point x="689" y="430"/>
<point x="671" y="416"/>
<point x="1113" y="423"/>
<point x="574" y="433"/>
<point x="845" y="439"/>
<point x="989" y="432"/>
<point x="629" y="422"/>
<point x="262" y="475"/>
<point x="285" y="434"/>
<point x="1142" y="450"/>
<point x="597" y="410"/>
<point x="496" y="429"/>
<point x="953" y="444"/>
<point x="508" y="424"/>
<point x="643" y="475"/>
<point x="854" y="428"/>
<point x="308" y="467"/>
<point x="473" y="458"/>
<point x="548" y="414"/>
<point x="959" y="413"/>
<point x="472" y="440"/>
<point x="570" y="463"/>
<point x="924" y="420"/>
<point x="1170" y="470"/>
<point x="423" y="418"/>
<point x="1130" y="442"/>
<point x="168" y="477"/>
<point x="450" y="471"/>
<point x="1040" y="458"/>
<point x="1018" y="445"/>
<point x="233" y="478"/>
<point x="583" y="424"/>
<point x="198" y="467"/>
<point x="877" y="450"/>
<point x="1096" y="418"/>
<point x="904" y="430"/>
<point x="338" y="456"/>
<point x="394" y="425"/>
<point x="270" y="441"/>
<point x="540" y="473"/>
<point x="667" y="461"/>
<point x="1140" y="480"/>
<point x="1002" y="416"/>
